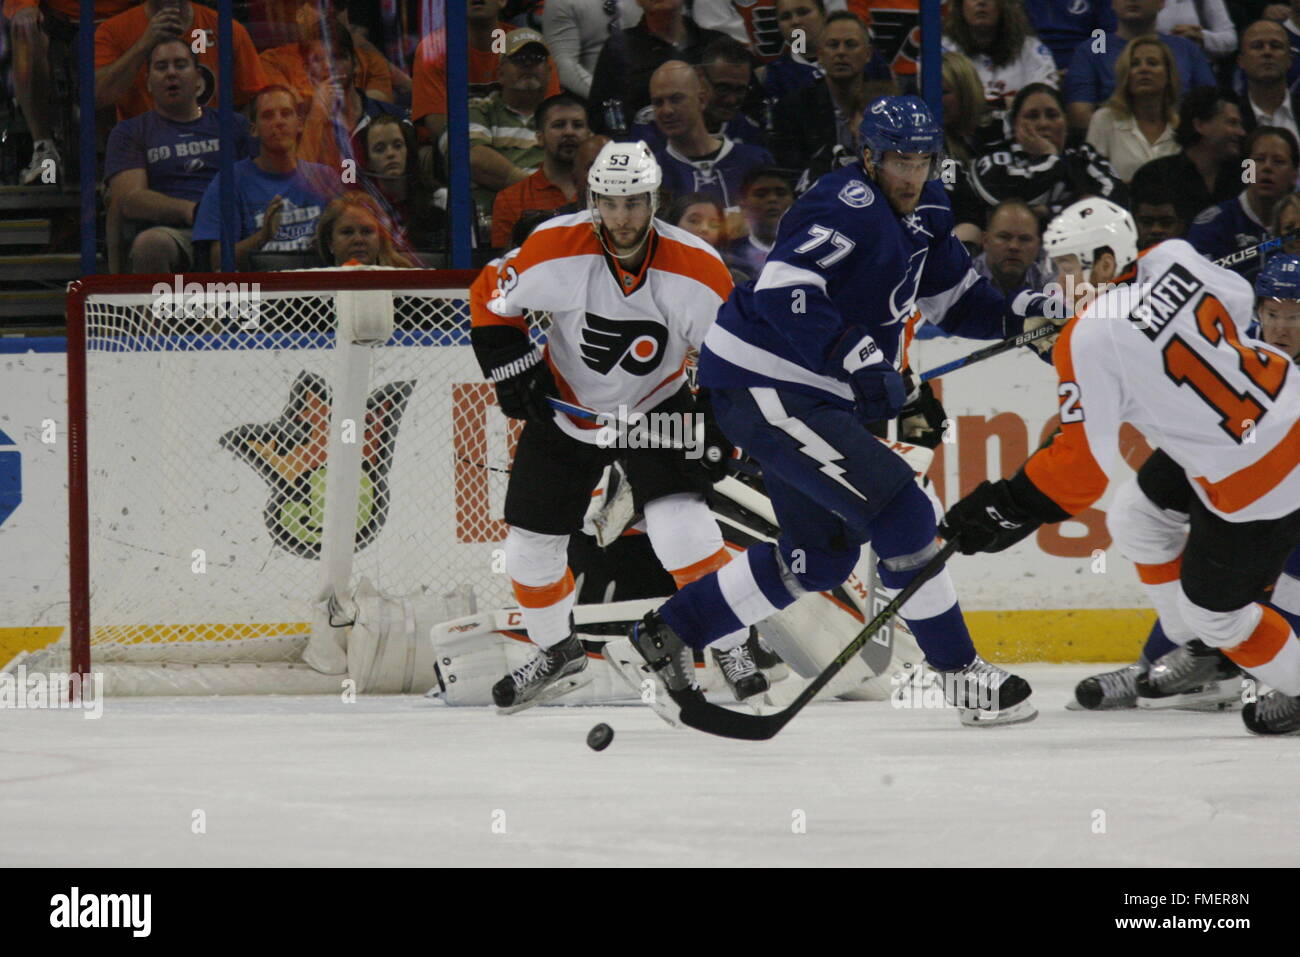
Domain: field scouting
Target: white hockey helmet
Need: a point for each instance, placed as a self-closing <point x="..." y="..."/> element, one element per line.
<point x="1084" y="227"/>
<point x="625" y="169"/>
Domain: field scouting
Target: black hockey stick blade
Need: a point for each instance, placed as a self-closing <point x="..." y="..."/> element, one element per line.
<point x="713" y="719"/>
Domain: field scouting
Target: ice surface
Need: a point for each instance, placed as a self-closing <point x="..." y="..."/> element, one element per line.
<point x="406" y="781"/>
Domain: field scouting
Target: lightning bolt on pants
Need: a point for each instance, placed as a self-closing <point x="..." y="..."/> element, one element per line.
<point x="834" y="487"/>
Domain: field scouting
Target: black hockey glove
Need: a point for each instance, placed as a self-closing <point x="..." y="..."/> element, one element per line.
<point x="523" y="380"/>
<point x="987" y="520"/>
<point x="997" y="515"/>
<point x="922" y="421"/>
<point x="717" y="448"/>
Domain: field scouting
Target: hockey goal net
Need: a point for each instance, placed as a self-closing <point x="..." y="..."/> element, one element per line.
<point x="241" y="450"/>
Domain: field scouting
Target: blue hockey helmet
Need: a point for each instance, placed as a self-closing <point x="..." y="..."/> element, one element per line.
<point x="904" y="124"/>
<point x="1280" y="278"/>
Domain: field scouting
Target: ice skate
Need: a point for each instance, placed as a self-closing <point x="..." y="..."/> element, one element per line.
<point x="1191" y="676"/>
<point x="985" y="695"/>
<point x="658" y="666"/>
<point x="1109" y="691"/>
<point x="1272" y="713"/>
<point x="743" y="675"/>
<point x="550" y="673"/>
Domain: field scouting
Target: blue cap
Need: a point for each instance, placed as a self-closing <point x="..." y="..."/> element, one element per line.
<point x="1280" y="278"/>
<point x="901" y="123"/>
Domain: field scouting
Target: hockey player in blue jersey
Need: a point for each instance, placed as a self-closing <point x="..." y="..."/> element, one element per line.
<point x="800" y="361"/>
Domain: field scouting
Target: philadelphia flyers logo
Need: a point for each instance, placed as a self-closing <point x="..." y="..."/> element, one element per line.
<point x="634" y="345"/>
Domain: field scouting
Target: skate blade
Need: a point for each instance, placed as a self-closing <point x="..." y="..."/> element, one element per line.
<point x="632" y="668"/>
<point x="1222" y="695"/>
<point x="550" y="693"/>
<point x="1016" y="714"/>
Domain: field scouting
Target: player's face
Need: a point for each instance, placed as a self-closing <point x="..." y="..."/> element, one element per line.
<point x="843" y="51"/>
<point x="702" y="220"/>
<point x="1147" y="75"/>
<point x="386" y="150"/>
<point x="902" y="176"/>
<point x="173" y="80"/>
<point x="1279" y="320"/>
<point x="803" y="15"/>
<point x="1156" y="223"/>
<point x="355" y="236"/>
<point x="566" y="128"/>
<point x="625" y="219"/>
<point x="1274" y="168"/>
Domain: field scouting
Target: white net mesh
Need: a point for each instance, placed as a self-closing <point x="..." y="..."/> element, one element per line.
<point x="207" y="456"/>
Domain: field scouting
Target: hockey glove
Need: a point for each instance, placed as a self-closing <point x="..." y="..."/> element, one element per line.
<point x="1044" y="346"/>
<point x="878" y="388"/>
<point x="717" y="448"/>
<point x="523" y="380"/>
<point x="987" y="520"/>
<point x="997" y="515"/>
<point x="922" y="420"/>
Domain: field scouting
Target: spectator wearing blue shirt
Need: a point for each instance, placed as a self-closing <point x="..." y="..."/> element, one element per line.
<point x="159" y="163"/>
<point x="1012" y="258"/>
<point x="1245" y="221"/>
<point x="1064" y="24"/>
<point x="1091" y="79"/>
<point x="693" y="159"/>
<point x="278" y="197"/>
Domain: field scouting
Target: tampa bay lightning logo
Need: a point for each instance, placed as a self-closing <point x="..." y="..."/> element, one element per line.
<point x="1079" y="7"/>
<point x="634" y="345"/>
<point x="857" y="194"/>
<point x="902" y="298"/>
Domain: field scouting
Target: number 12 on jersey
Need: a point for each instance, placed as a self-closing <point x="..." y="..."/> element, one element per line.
<point x="1238" y="410"/>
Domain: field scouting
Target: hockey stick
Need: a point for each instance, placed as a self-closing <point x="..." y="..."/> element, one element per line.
<point x="609" y="419"/>
<point x="714" y="719"/>
<point x="979" y="355"/>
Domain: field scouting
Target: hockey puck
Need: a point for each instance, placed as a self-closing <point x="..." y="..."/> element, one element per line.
<point x="599" y="737"/>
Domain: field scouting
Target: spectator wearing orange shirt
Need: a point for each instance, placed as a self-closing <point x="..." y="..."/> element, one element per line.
<point x="30" y="69"/>
<point x="122" y="42"/>
<point x="337" y="108"/>
<point x="429" y="75"/>
<point x="296" y="65"/>
<point x="561" y="129"/>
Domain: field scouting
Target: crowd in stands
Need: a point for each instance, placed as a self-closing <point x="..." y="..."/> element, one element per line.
<point x="1182" y="110"/>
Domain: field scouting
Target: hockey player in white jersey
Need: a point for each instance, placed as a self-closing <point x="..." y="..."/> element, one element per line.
<point x="1214" y="513"/>
<point x="628" y="297"/>
<point x="1174" y="677"/>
